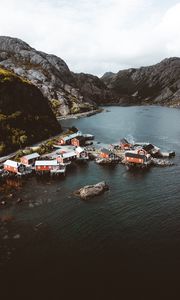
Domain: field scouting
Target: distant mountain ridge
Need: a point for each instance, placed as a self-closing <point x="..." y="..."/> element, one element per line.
<point x="157" y="84"/>
<point x="71" y="93"/>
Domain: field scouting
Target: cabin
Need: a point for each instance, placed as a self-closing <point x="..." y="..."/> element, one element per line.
<point x="105" y="153"/>
<point x="67" y="157"/>
<point x="29" y="160"/>
<point x="14" y="167"/>
<point x="49" y="166"/>
<point x="153" y="150"/>
<point x="81" y="153"/>
<point x="137" y="157"/>
<point x="66" y="140"/>
<point x="125" y="145"/>
<point x="148" y="148"/>
<point x="78" y="141"/>
<point x="46" y="165"/>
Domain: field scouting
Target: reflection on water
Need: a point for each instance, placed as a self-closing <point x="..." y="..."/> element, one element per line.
<point x="130" y="232"/>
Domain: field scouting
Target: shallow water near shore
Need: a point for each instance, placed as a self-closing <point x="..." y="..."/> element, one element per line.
<point x="130" y="232"/>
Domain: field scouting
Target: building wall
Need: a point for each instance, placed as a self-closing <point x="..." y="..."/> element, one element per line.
<point x="59" y="159"/>
<point x="62" y="142"/>
<point x="75" y="142"/>
<point x="24" y="161"/>
<point x="11" y="169"/>
<point x="125" y="146"/>
<point x="82" y="154"/>
<point x="135" y="160"/>
<point x="104" y="155"/>
<point x="44" y="168"/>
<point x="27" y="162"/>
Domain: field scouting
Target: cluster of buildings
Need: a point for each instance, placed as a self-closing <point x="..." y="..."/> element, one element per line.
<point x="76" y="139"/>
<point x="132" y="155"/>
<point x="56" y="163"/>
<point x="138" y="155"/>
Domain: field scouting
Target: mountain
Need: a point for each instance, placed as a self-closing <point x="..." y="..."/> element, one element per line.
<point x="93" y="88"/>
<point x="70" y="93"/>
<point x="67" y="92"/>
<point x="25" y="114"/>
<point x="157" y="84"/>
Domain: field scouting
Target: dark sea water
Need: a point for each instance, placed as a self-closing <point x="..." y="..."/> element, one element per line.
<point x="128" y="238"/>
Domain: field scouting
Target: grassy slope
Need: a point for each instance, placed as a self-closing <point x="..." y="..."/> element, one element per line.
<point x="25" y="115"/>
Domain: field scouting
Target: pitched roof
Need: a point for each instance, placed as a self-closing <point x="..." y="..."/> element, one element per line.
<point x="11" y="163"/>
<point x="68" y="154"/>
<point x="80" y="149"/>
<point x="106" y="151"/>
<point x="80" y="138"/>
<point x="124" y="141"/>
<point x="31" y="156"/>
<point x="148" y="147"/>
<point x="71" y="136"/>
<point x="135" y="155"/>
<point x="46" y="163"/>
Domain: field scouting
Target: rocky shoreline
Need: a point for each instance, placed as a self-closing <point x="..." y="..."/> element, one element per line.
<point x="81" y="115"/>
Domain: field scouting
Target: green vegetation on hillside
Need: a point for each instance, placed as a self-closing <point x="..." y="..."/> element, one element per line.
<point x="25" y="115"/>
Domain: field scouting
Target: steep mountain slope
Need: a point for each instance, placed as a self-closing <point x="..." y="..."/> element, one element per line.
<point x="25" y="114"/>
<point x="157" y="84"/>
<point x="93" y="88"/>
<point x="49" y="73"/>
<point x="71" y="93"/>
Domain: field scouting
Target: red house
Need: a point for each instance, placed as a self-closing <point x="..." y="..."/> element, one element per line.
<point x="78" y="141"/>
<point x="66" y="140"/>
<point x="14" y="167"/>
<point x="66" y="158"/>
<point x="105" y="153"/>
<point x="81" y="154"/>
<point x="125" y="145"/>
<point x="137" y="157"/>
<point x="46" y="165"/>
<point x="30" y="159"/>
<point x="49" y="166"/>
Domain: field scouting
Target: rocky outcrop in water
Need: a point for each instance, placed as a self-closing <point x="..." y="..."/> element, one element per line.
<point x="90" y="191"/>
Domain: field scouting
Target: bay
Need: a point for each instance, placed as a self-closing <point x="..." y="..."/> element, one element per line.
<point x="130" y="232"/>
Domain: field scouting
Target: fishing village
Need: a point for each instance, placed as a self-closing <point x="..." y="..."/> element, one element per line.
<point x="58" y="155"/>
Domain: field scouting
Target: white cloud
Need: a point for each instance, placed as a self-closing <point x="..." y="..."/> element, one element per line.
<point x="98" y="35"/>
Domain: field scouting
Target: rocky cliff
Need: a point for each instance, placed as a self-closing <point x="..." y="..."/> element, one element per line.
<point x="25" y="114"/>
<point x="51" y="75"/>
<point x="157" y="84"/>
<point x="71" y="93"/>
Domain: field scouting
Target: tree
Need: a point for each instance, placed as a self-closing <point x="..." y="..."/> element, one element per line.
<point x="23" y="139"/>
<point x="2" y="148"/>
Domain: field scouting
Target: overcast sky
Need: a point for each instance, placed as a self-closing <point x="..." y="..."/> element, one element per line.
<point x="96" y="36"/>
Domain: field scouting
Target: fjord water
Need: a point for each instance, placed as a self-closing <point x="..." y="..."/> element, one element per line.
<point x="130" y="232"/>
